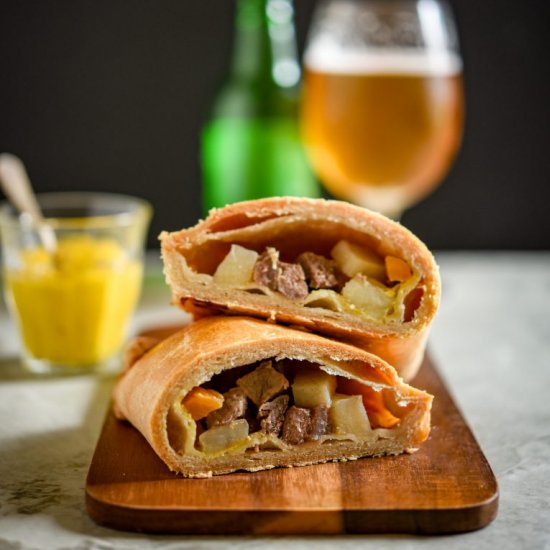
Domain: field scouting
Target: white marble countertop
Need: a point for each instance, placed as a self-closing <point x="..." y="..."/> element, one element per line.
<point x="491" y="340"/>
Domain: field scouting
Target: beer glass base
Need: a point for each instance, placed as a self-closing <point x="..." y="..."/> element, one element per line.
<point x="44" y="367"/>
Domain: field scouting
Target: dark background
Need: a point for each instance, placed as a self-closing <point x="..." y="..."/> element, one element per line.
<point x="110" y="95"/>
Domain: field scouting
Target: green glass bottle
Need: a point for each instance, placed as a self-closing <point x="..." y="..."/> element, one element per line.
<point x="251" y="146"/>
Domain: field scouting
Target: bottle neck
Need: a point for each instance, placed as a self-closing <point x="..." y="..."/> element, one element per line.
<point x="264" y="49"/>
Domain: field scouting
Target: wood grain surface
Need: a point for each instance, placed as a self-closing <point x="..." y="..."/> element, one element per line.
<point x="446" y="487"/>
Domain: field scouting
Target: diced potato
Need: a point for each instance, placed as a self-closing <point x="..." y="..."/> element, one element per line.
<point x="348" y="416"/>
<point x="371" y="297"/>
<point x="200" y="402"/>
<point x="397" y="269"/>
<point x="237" y="267"/>
<point x="313" y="387"/>
<point x="373" y="401"/>
<point x="353" y="259"/>
<point x="222" y="437"/>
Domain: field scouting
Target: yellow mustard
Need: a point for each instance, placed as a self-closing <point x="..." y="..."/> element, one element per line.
<point x="73" y="306"/>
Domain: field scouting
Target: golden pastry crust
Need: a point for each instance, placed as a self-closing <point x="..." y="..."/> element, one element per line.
<point x="146" y="393"/>
<point x="294" y="225"/>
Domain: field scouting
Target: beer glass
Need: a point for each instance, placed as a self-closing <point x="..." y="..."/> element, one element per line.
<point x="382" y="106"/>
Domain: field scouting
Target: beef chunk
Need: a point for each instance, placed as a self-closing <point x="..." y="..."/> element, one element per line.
<point x="296" y="425"/>
<point x="234" y="407"/>
<point x="288" y="279"/>
<point x="266" y="268"/>
<point x="272" y="414"/>
<point x="321" y="272"/>
<point x="292" y="281"/>
<point x="262" y="383"/>
<point x="319" y="423"/>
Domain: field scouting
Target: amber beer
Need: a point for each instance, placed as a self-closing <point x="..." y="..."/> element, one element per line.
<point x="382" y="129"/>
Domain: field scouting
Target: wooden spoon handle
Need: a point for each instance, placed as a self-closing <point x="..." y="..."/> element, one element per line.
<point x="18" y="189"/>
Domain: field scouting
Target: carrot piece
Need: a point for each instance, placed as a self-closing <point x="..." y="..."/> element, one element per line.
<point x="373" y="401"/>
<point x="200" y="402"/>
<point x="397" y="269"/>
<point x="382" y="419"/>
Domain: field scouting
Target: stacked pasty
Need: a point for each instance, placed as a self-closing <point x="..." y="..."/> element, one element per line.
<point x="236" y="393"/>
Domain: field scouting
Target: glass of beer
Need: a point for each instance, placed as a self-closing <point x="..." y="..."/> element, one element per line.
<point x="382" y="106"/>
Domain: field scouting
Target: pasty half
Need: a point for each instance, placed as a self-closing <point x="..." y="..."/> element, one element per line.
<point x="238" y="393"/>
<point x="328" y="266"/>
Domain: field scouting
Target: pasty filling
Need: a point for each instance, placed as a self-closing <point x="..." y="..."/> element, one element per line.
<point x="354" y="280"/>
<point x="278" y="404"/>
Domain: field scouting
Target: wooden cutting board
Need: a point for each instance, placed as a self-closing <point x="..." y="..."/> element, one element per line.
<point x="446" y="487"/>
